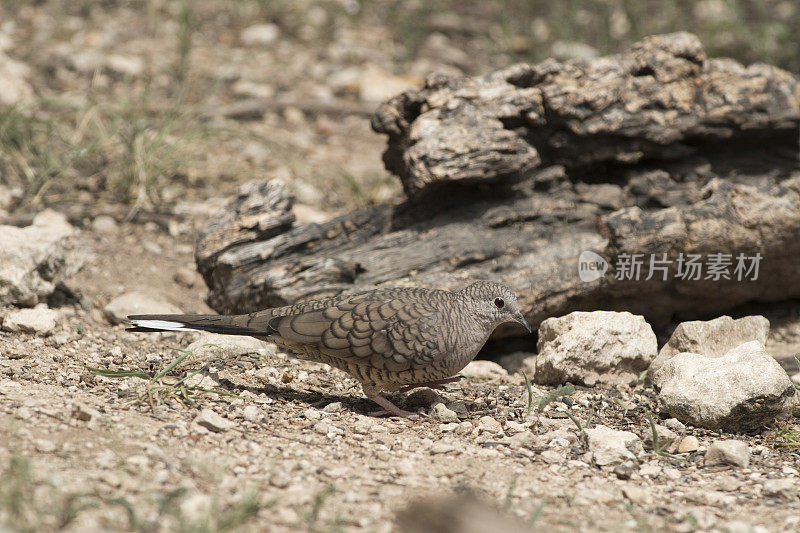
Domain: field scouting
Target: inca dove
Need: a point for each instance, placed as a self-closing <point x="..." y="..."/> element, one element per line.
<point x="388" y="339"/>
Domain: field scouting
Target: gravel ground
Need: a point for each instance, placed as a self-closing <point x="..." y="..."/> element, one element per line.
<point x="115" y="100"/>
<point x="286" y="445"/>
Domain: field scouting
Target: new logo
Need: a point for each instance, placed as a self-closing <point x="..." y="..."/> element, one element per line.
<point x="591" y="266"/>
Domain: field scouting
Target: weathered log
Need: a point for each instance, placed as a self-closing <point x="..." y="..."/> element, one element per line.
<point x="755" y="230"/>
<point x="646" y="172"/>
<point x="663" y="99"/>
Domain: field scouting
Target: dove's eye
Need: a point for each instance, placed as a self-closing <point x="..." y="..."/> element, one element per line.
<point x="499" y="303"/>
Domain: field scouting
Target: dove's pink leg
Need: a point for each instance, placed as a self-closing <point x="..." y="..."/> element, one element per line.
<point x="432" y="384"/>
<point x="389" y="408"/>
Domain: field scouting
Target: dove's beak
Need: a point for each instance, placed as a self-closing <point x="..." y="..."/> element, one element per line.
<point x="522" y="322"/>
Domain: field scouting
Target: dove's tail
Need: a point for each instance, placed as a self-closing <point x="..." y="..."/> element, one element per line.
<point x="223" y="324"/>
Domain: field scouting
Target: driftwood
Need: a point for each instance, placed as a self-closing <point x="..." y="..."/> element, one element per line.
<point x="658" y="152"/>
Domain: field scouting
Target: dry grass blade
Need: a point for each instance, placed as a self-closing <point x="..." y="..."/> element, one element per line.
<point x="117" y="373"/>
<point x="156" y="390"/>
<point x="175" y="362"/>
<point x="787" y="436"/>
<point x="529" y="392"/>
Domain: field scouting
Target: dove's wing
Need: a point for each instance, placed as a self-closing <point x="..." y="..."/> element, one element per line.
<point x="389" y="329"/>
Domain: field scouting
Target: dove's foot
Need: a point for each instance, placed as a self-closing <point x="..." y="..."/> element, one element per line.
<point x="432" y="384"/>
<point x="390" y="409"/>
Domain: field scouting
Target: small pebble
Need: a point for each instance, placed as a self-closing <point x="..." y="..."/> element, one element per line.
<point x="104" y="224"/>
<point x="515" y="427"/>
<point x="459" y="408"/>
<point x="728" y="484"/>
<point x="45" y="446"/>
<point x="363" y="426"/>
<point x="85" y="413"/>
<point x="442" y="447"/>
<point x="333" y="407"/>
<point x="152" y="247"/>
<point x="423" y="397"/>
<point x="738" y="526"/>
<point x="441" y="413"/>
<point x="40" y="320"/>
<point x="210" y="420"/>
<point x="185" y="277"/>
<point x="312" y="414"/>
<point x="675" y="425"/>
<point x="650" y="470"/>
<point x="280" y="479"/>
<point x="760" y="449"/>
<point x="666" y="437"/>
<point x="323" y="427"/>
<point x="728" y="452"/>
<point x="551" y="457"/>
<point x="464" y="428"/>
<point x="525" y="439"/>
<point x="781" y="489"/>
<point x="624" y="470"/>
<point x="637" y="495"/>
<point x="251" y="413"/>
<point x="487" y="423"/>
<point x="689" y="444"/>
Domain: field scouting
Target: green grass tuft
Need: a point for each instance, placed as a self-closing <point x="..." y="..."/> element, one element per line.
<point x="28" y="504"/>
<point x="657" y="448"/>
<point x="555" y="394"/>
<point x="311" y="518"/>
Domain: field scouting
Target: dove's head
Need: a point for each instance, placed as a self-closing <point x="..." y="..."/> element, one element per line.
<point x="495" y="302"/>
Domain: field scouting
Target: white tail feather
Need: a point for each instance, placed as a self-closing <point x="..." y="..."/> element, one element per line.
<point x="162" y="324"/>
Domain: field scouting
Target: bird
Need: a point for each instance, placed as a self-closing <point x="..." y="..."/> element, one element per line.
<point x="389" y="339"/>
